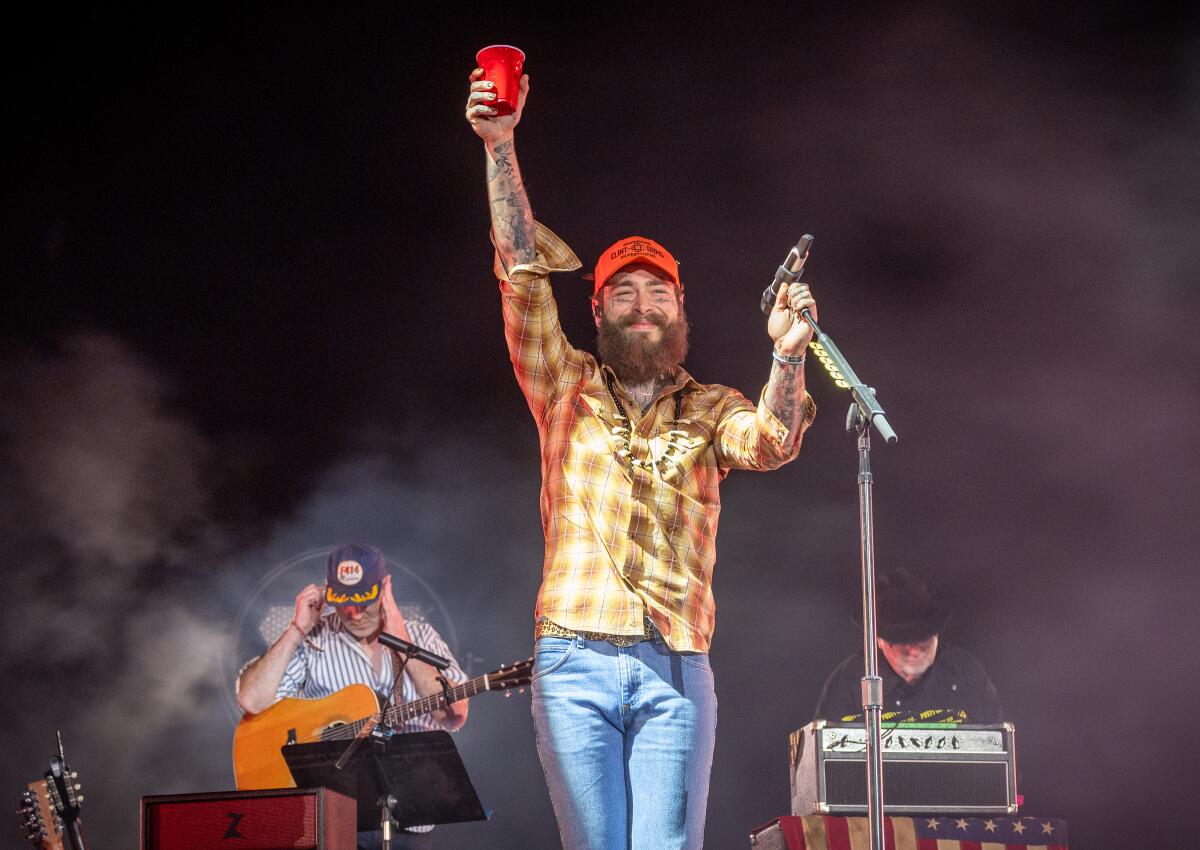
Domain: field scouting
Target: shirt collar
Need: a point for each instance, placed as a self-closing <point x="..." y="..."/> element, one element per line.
<point x="680" y="379"/>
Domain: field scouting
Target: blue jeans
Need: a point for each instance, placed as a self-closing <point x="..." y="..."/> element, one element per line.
<point x="626" y="737"/>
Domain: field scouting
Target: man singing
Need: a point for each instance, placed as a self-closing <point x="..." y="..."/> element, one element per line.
<point x="633" y="451"/>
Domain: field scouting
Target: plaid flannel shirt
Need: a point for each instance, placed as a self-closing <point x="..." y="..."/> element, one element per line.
<point x="623" y="542"/>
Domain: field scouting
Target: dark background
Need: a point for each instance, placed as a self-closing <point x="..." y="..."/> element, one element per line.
<point x="250" y="314"/>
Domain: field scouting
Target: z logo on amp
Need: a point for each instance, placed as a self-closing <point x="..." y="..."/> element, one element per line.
<point x="234" y="819"/>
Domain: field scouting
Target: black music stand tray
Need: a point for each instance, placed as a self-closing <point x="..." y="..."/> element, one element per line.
<point x="421" y="770"/>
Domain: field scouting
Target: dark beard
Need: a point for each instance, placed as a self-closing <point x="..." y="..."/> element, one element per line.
<point x="635" y="359"/>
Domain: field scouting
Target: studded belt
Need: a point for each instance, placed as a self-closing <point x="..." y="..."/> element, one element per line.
<point x="548" y="628"/>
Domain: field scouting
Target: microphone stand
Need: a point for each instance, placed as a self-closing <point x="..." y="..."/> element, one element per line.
<point x="872" y="683"/>
<point x="380" y="731"/>
<point x="864" y="412"/>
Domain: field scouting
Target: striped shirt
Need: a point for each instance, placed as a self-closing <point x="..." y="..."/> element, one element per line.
<point x="330" y="659"/>
<point x="625" y="542"/>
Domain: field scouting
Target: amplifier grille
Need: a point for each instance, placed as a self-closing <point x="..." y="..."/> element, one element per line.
<point x="280" y="819"/>
<point x="924" y="785"/>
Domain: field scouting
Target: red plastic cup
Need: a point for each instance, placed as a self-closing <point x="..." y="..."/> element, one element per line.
<point x="501" y="64"/>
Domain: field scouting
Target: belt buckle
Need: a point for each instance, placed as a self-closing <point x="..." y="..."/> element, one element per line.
<point x="624" y="641"/>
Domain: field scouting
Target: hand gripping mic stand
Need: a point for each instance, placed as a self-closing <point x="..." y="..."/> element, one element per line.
<point x="864" y="412"/>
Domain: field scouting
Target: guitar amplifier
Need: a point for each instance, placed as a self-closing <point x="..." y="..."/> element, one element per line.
<point x="927" y="769"/>
<point x="294" y="818"/>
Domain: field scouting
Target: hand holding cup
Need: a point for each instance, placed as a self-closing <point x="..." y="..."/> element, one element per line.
<point x="497" y="94"/>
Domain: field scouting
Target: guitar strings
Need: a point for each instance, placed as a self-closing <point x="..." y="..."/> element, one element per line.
<point x="404" y="712"/>
<point x="426" y="704"/>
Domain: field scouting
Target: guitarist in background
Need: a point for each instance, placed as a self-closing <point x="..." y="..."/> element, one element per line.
<point x="320" y="654"/>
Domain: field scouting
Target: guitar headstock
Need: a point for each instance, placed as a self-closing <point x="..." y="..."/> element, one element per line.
<point x="516" y="675"/>
<point x="39" y="819"/>
<point x="63" y="789"/>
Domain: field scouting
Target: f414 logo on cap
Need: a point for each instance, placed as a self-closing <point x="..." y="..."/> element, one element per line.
<point x="349" y="573"/>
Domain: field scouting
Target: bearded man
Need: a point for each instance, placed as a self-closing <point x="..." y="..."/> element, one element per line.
<point x="633" y="450"/>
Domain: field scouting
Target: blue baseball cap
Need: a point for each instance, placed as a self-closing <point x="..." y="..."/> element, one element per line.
<point x="354" y="575"/>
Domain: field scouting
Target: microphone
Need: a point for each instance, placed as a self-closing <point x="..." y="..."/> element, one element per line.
<point x="411" y="650"/>
<point x="788" y="273"/>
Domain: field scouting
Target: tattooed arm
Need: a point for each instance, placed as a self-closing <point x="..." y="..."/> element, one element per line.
<point x="527" y="252"/>
<point x="512" y="219"/>
<point x="785" y="396"/>
<point x="769" y="435"/>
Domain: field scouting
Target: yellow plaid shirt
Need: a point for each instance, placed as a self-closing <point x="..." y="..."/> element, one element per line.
<point x="623" y="542"/>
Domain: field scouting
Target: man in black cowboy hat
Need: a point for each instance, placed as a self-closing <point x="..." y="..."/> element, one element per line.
<point x="922" y="673"/>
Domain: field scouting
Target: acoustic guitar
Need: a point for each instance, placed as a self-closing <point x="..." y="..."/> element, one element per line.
<point x="259" y="739"/>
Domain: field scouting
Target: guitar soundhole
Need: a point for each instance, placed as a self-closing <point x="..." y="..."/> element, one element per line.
<point x="330" y="732"/>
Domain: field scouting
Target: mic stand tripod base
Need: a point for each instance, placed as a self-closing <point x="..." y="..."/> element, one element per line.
<point x="385" y="820"/>
<point x="380" y="736"/>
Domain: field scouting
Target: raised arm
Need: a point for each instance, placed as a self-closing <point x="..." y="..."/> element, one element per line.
<point x="258" y="682"/>
<point x="512" y="219"/>
<point x="769" y="436"/>
<point x="785" y="395"/>
<point x="544" y="361"/>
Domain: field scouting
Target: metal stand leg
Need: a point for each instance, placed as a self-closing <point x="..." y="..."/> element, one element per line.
<point x="385" y="820"/>
<point x="872" y="684"/>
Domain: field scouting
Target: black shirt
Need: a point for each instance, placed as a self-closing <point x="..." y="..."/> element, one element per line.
<point x="956" y="681"/>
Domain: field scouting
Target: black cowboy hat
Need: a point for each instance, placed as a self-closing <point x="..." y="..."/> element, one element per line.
<point x="905" y="610"/>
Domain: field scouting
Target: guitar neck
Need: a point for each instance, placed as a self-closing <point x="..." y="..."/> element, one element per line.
<point x="74" y="831"/>
<point x="425" y="705"/>
<point x="67" y="798"/>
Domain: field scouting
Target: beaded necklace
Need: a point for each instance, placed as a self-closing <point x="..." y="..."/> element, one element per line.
<point x="623" y="431"/>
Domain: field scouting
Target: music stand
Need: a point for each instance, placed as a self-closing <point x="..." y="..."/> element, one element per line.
<point x="419" y="774"/>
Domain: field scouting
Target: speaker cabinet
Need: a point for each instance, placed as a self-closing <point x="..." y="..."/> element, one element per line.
<point x="291" y="818"/>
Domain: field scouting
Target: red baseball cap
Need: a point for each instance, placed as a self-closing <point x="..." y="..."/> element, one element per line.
<point x="633" y="250"/>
